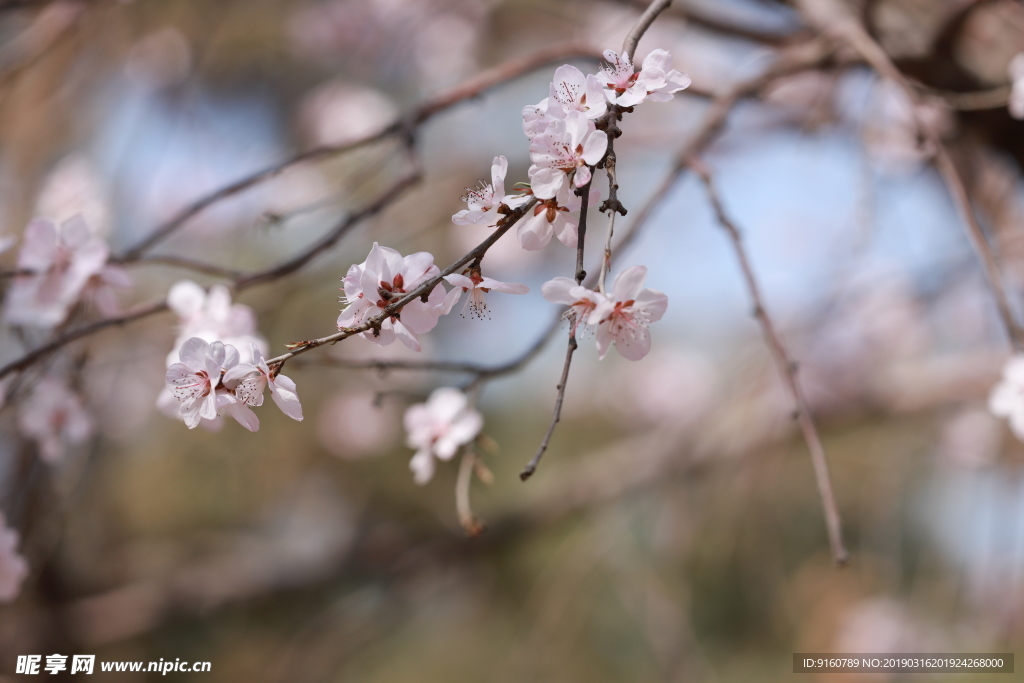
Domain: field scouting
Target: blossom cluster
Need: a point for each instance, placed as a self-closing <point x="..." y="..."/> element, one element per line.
<point x="60" y="267"/>
<point x="217" y="367"/>
<point x="390" y="296"/>
<point x="210" y="380"/>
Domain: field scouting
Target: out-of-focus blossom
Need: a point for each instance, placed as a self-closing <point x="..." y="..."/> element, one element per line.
<point x="672" y="386"/>
<point x="54" y="418"/>
<point x="656" y="80"/>
<point x="162" y="59"/>
<point x="101" y="288"/>
<point x="1007" y="398"/>
<point x="247" y="382"/>
<point x="885" y="625"/>
<point x="352" y="425"/>
<point x="582" y="302"/>
<point x="212" y="316"/>
<point x="891" y="131"/>
<point x="486" y="202"/>
<point x="384" y="277"/>
<point x="622" y="317"/>
<point x="62" y="258"/>
<point x="1016" y="70"/>
<point x="477" y="286"/>
<point x="434" y="41"/>
<point x="13" y="567"/>
<point x="568" y="146"/>
<point x="970" y="439"/>
<point x="340" y="112"/>
<point x="438" y="428"/>
<point x="75" y="187"/>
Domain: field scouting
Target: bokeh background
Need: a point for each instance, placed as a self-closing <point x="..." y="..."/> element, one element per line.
<point x="674" y="531"/>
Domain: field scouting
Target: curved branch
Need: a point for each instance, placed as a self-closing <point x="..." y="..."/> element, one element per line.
<point x="641" y="26"/>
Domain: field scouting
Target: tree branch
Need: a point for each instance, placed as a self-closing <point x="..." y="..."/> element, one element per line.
<point x="640" y="27"/>
<point x="787" y="369"/>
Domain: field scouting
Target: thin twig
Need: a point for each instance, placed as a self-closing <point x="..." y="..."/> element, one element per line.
<point x="78" y="333"/>
<point x="189" y="264"/>
<point x="531" y="466"/>
<point x="787" y="368"/>
<point x="581" y="232"/>
<point x="299" y="261"/>
<point x="470" y="524"/>
<point x="480" y="372"/>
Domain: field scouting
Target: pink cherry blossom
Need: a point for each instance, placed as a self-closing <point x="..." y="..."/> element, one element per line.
<point x="477" y="286"/>
<point x="661" y="79"/>
<point x="195" y="379"/>
<point x="622" y="317"/>
<point x="384" y="277"/>
<point x="486" y="202"/>
<point x="13" y="567"/>
<point x="656" y="80"/>
<point x="247" y="382"/>
<point x="552" y="217"/>
<point x="438" y="428"/>
<point x="62" y="259"/>
<point x="582" y="302"/>
<point x="100" y="289"/>
<point x="1007" y="397"/>
<point x="1016" y="70"/>
<point x="578" y="94"/>
<point x="538" y="117"/>
<point x="53" y="417"/>
<point x="569" y="146"/>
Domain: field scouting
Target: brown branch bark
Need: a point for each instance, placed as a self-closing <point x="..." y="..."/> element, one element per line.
<point x="787" y="369"/>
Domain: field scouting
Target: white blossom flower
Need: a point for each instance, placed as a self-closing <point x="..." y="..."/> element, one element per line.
<point x="569" y="146"/>
<point x="622" y="317"/>
<point x="13" y="567"/>
<point x="53" y="417"/>
<point x="196" y="382"/>
<point x="477" y="286"/>
<point x="1016" y="70"/>
<point x="582" y="302"/>
<point x="438" y="428"/>
<point x="656" y="80"/>
<point x="578" y="94"/>
<point x="537" y="117"/>
<point x="486" y="202"/>
<point x="552" y="217"/>
<point x="247" y="382"/>
<point x="61" y="259"/>
<point x="384" y="277"/>
<point x="1007" y="397"/>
